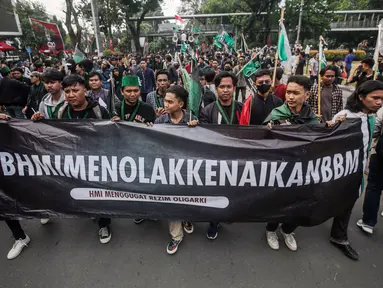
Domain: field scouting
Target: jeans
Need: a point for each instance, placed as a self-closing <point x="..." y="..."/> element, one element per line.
<point x="286" y="228"/>
<point x="15" y="111"/>
<point x="104" y="222"/>
<point x="17" y="231"/>
<point x="373" y="191"/>
<point x="243" y="93"/>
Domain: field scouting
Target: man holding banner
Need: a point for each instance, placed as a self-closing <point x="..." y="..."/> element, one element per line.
<point x="225" y="110"/>
<point x="363" y="103"/>
<point x="175" y="104"/>
<point x="294" y="111"/>
<point x="80" y="107"/>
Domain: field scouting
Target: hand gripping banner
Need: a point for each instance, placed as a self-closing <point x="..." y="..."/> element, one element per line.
<point x="303" y="174"/>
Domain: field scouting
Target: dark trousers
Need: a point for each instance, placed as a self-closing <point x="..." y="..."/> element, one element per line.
<point x="104" y="222"/>
<point x="313" y="79"/>
<point x="286" y="228"/>
<point x="373" y="191"/>
<point x="143" y="96"/>
<point x="339" y="227"/>
<point x="17" y="231"/>
<point x="243" y="93"/>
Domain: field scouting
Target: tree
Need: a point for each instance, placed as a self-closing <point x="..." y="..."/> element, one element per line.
<point x="135" y="8"/>
<point x="191" y="7"/>
<point x="26" y="10"/>
<point x="315" y="18"/>
<point x="72" y="17"/>
<point x="249" y="25"/>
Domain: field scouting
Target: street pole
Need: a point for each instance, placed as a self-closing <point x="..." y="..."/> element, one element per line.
<point x="300" y="21"/>
<point x="96" y="26"/>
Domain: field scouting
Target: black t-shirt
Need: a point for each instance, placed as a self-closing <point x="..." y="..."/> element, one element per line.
<point x="145" y="112"/>
<point x="300" y="66"/>
<point x="228" y="110"/>
<point x="261" y="108"/>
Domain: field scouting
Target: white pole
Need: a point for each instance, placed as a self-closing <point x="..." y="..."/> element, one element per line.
<point x="300" y="21"/>
<point x="378" y="44"/>
<point x="96" y="27"/>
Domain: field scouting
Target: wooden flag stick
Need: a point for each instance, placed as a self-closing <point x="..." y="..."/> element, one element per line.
<point x="319" y="76"/>
<point x="378" y="48"/>
<point x="276" y="58"/>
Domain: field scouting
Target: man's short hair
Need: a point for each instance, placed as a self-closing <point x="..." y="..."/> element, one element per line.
<point x="260" y="73"/>
<point x="18" y="69"/>
<point x="86" y="64"/>
<point x="71" y="80"/>
<point x="225" y="74"/>
<point x="327" y="68"/>
<point x="208" y="73"/>
<point x="180" y="93"/>
<point x="95" y="73"/>
<point x="36" y="74"/>
<point x="369" y="62"/>
<point x="162" y="72"/>
<point x="300" y="80"/>
<point x="52" y="74"/>
<point x="279" y="73"/>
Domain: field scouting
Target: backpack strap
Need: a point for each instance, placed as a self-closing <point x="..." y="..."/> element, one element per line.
<point x="97" y="112"/>
<point x="61" y="110"/>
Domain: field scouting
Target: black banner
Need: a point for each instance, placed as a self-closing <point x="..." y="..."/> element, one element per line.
<point x="304" y="174"/>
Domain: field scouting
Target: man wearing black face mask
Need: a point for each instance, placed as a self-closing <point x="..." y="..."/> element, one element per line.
<point x="257" y="108"/>
<point x="227" y="66"/>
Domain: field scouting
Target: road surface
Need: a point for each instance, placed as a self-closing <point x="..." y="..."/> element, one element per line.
<point x="66" y="253"/>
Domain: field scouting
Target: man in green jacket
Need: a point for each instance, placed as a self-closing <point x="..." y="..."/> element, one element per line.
<point x="295" y="110"/>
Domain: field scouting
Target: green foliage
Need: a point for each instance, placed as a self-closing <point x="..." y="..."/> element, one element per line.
<point x="331" y="54"/>
<point x="157" y="45"/>
<point x="108" y="52"/>
<point x="25" y="10"/>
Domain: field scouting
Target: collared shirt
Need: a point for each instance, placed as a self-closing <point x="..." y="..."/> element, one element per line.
<point x="151" y="100"/>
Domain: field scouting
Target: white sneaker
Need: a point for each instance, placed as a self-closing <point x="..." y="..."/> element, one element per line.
<point x="18" y="247"/>
<point x="366" y="228"/>
<point x="272" y="240"/>
<point x="44" y="221"/>
<point x="105" y="234"/>
<point x="290" y="241"/>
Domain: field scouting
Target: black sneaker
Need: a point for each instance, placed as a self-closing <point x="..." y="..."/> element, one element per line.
<point x="188" y="227"/>
<point x="138" y="220"/>
<point x="212" y="231"/>
<point x="173" y="246"/>
<point x="104" y="234"/>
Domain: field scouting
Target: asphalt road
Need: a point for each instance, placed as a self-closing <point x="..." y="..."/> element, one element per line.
<point x="67" y="253"/>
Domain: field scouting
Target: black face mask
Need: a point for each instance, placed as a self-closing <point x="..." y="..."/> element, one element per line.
<point x="227" y="68"/>
<point x="263" y="88"/>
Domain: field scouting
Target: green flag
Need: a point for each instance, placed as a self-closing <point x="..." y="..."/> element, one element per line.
<point x="251" y="68"/>
<point x="284" y="50"/>
<point x="191" y="84"/>
<point x="78" y="55"/>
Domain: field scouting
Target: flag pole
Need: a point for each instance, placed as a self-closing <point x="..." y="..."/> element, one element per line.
<point x="276" y="53"/>
<point x="378" y="52"/>
<point x="319" y="76"/>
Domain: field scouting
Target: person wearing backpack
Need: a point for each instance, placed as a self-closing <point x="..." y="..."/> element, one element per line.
<point x="256" y="108"/>
<point x="80" y="107"/>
